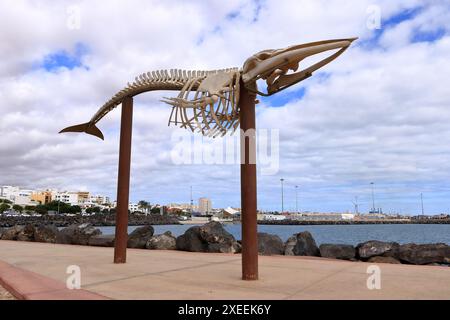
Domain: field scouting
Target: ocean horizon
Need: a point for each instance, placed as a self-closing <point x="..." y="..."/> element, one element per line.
<point x="344" y="234"/>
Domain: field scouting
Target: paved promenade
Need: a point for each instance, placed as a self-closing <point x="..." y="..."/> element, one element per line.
<point x="152" y="274"/>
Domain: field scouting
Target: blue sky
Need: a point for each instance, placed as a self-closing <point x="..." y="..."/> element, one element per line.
<point x="64" y="59"/>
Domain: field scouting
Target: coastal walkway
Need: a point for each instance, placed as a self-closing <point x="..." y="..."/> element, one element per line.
<point x="34" y="269"/>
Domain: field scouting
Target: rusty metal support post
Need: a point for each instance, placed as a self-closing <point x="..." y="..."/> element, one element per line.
<point x="123" y="182"/>
<point x="248" y="184"/>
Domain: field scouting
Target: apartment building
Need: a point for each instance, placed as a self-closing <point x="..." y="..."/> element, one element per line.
<point x="204" y="206"/>
<point x="41" y="197"/>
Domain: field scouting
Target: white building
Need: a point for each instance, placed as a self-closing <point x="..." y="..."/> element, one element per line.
<point x="66" y="197"/>
<point x="99" y="199"/>
<point x="18" y="196"/>
<point x="204" y="206"/>
<point x="232" y="211"/>
<point x="271" y="217"/>
<point x="322" y="216"/>
<point x="23" y="198"/>
<point x="6" y="192"/>
<point x="133" y="207"/>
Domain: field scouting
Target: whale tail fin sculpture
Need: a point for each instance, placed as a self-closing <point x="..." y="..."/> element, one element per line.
<point x="87" y="127"/>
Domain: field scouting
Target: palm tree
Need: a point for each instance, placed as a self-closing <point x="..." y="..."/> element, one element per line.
<point x="144" y="205"/>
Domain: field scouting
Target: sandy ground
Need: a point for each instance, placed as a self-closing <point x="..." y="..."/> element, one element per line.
<point x="5" y="295"/>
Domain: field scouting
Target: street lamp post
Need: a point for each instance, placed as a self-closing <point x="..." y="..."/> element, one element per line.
<point x="282" y="195"/>
<point x="192" y="202"/>
<point x="421" y="201"/>
<point x="373" y="199"/>
<point x="296" y="199"/>
<point x="356" y="206"/>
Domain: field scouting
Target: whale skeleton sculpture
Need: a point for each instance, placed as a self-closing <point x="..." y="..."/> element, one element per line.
<point x="213" y="103"/>
<point x="208" y="101"/>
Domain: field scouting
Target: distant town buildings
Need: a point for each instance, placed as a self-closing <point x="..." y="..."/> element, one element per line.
<point x="133" y="207"/>
<point x="321" y="216"/>
<point x="186" y="211"/>
<point x="30" y="197"/>
<point x="17" y="195"/>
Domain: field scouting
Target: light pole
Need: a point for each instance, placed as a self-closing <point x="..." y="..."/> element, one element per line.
<point x="296" y="199"/>
<point x="421" y="201"/>
<point x="373" y="199"/>
<point x="192" y="202"/>
<point x="355" y="203"/>
<point x="282" y="195"/>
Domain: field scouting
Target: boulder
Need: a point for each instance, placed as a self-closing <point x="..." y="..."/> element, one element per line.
<point x="211" y="237"/>
<point x="12" y="233"/>
<point x="269" y="244"/>
<point x="77" y="234"/>
<point x="27" y="233"/>
<point x="238" y="247"/>
<point x="191" y="241"/>
<point x="337" y="251"/>
<point x="425" y="253"/>
<point x="139" y="237"/>
<point x="373" y="248"/>
<point x="165" y="241"/>
<point x="381" y="259"/>
<point x="46" y="233"/>
<point x="301" y="244"/>
<point x="102" y="240"/>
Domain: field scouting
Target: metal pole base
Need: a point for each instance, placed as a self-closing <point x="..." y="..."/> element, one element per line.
<point x="123" y="182"/>
<point x="248" y="185"/>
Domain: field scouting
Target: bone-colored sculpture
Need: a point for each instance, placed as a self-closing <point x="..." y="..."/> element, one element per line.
<point x="213" y="108"/>
<point x="209" y="100"/>
<point x="212" y="102"/>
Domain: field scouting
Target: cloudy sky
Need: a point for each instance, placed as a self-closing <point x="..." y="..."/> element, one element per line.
<point x="380" y="113"/>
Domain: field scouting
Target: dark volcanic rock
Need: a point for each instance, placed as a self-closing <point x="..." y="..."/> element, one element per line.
<point x="27" y="233"/>
<point x="269" y="244"/>
<point x="191" y="241"/>
<point x="77" y="234"/>
<point x="425" y="253"/>
<point x="337" y="251"/>
<point x="101" y="219"/>
<point x="301" y="244"/>
<point x="12" y="233"/>
<point x="165" y="241"/>
<point x="211" y="237"/>
<point x="217" y="238"/>
<point x="381" y="259"/>
<point x="139" y="237"/>
<point x="103" y="240"/>
<point x="238" y="247"/>
<point x="373" y="248"/>
<point x="46" y="233"/>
